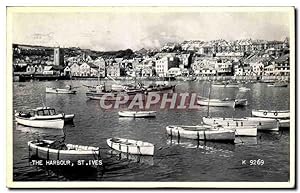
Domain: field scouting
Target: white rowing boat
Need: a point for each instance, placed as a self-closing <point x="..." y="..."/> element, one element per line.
<point x="260" y="123"/>
<point x="216" y="102"/>
<point x="137" y="114"/>
<point x="282" y="114"/>
<point x="53" y="150"/>
<point x="60" y="90"/>
<point x="201" y="132"/>
<point x="131" y="146"/>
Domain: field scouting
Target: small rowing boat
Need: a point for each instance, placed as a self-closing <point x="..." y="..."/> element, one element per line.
<point x="216" y="102"/>
<point x="55" y="150"/>
<point x="68" y="90"/>
<point x="137" y="114"/>
<point x="201" y="132"/>
<point x="131" y="146"/>
<point x="282" y="114"/>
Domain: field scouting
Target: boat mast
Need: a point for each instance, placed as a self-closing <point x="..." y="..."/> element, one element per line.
<point x="209" y="91"/>
<point x="99" y="76"/>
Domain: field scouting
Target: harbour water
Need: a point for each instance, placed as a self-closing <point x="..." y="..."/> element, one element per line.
<point x="173" y="160"/>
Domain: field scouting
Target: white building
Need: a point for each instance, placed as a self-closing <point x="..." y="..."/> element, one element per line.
<point x="270" y="70"/>
<point x="75" y="69"/>
<point x="223" y="68"/>
<point x="257" y="68"/>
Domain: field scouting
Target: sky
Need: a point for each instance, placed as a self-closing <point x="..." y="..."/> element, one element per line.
<point x="106" y="31"/>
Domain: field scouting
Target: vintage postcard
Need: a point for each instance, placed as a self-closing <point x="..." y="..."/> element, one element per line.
<point x="151" y="97"/>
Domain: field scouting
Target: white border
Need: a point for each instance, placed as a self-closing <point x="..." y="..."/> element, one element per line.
<point x="77" y="3"/>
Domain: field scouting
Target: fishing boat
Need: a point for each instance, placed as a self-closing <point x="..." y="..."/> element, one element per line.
<point x="281" y="114"/>
<point x="260" y="123"/>
<point x="278" y="84"/>
<point x="43" y="117"/>
<point x="159" y="88"/>
<point x="67" y="90"/>
<point x="115" y="96"/>
<point x="201" y="132"/>
<point x="131" y="146"/>
<point x="124" y="87"/>
<point x="137" y="114"/>
<point x="45" y="113"/>
<point x="216" y="102"/>
<point x="56" y="151"/>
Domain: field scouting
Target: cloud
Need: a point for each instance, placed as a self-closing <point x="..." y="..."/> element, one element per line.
<point x="136" y="30"/>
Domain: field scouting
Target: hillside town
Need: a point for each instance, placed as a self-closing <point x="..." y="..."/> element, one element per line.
<point x="247" y="57"/>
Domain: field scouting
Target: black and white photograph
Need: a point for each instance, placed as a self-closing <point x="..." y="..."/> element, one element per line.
<point x="168" y="97"/>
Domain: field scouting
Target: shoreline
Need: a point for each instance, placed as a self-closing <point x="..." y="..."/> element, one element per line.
<point x="191" y="78"/>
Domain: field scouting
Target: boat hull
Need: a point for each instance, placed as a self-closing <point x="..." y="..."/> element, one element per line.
<point x="261" y="124"/>
<point x="60" y="91"/>
<point x="86" y="153"/>
<point x="250" y="131"/>
<point x="285" y="123"/>
<point x="131" y="146"/>
<point x="115" y="96"/>
<point x="271" y="114"/>
<point x="137" y="114"/>
<point x="216" y="103"/>
<point x="219" y="134"/>
<point x="53" y="123"/>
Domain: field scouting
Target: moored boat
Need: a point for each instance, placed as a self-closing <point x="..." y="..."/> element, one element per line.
<point x="44" y="113"/>
<point x="115" y="96"/>
<point x="260" y="123"/>
<point x="131" y="146"/>
<point x="159" y="88"/>
<point x="137" y="114"/>
<point x="280" y="114"/>
<point x="60" y="90"/>
<point x="201" y="132"/>
<point x="216" y="102"/>
<point x="247" y="130"/>
<point x="43" y="117"/>
<point x="54" y="150"/>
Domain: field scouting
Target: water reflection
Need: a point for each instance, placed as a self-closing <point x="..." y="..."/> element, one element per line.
<point x="220" y="149"/>
<point x="121" y="156"/>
